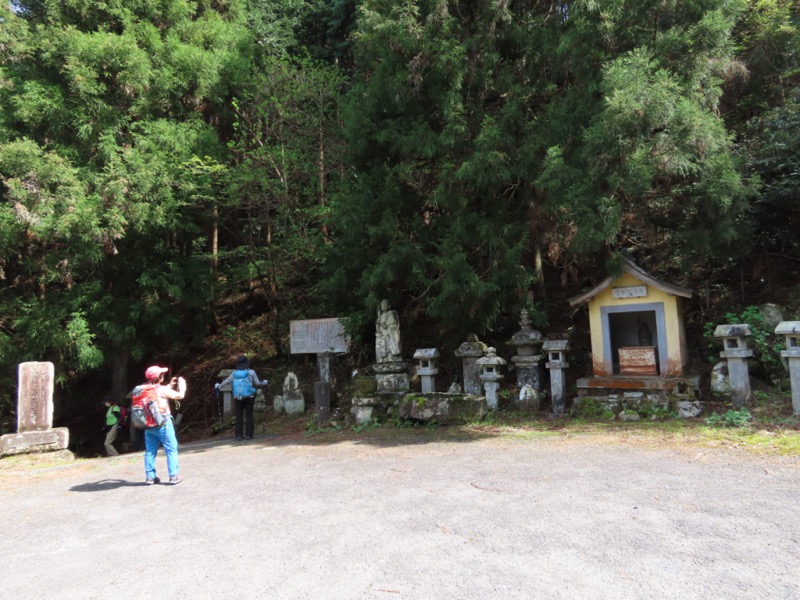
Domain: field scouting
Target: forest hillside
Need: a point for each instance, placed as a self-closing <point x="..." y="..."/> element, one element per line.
<point x="180" y="179"/>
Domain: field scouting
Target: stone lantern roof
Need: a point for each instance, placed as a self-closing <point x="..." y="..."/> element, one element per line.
<point x="491" y="359"/>
<point x="527" y="336"/>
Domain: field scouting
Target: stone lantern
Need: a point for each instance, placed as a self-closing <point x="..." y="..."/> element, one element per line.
<point x="557" y="363"/>
<point x="469" y="352"/>
<point x="791" y="332"/>
<point x="491" y="366"/>
<point x="427" y="368"/>
<point x="736" y="352"/>
<point x="527" y="360"/>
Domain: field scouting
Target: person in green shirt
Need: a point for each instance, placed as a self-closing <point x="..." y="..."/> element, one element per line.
<point x="112" y="424"/>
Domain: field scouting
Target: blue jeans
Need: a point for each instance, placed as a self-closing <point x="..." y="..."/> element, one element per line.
<point x="164" y="436"/>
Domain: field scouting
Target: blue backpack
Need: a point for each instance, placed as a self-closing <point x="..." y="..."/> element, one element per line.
<point x="242" y="388"/>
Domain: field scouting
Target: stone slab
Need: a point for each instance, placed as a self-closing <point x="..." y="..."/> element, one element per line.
<point x="445" y="409"/>
<point x="35" y="396"/>
<point x="30" y="442"/>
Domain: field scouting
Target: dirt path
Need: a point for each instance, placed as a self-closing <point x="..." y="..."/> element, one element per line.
<point x="413" y="517"/>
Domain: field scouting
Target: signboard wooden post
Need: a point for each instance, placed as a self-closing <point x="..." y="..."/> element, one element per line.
<point x="323" y="337"/>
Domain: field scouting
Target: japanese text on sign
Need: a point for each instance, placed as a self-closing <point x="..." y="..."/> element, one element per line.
<point x="316" y="336"/>
<point x="634" y="291"/>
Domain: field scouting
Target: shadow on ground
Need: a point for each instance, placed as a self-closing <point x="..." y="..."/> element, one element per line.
<point x="105" y="485"/>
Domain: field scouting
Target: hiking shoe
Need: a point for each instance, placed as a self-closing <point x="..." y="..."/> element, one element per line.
<point x="238" y="438"/>
<point x="152" y="480"/>
<point x="175" y="480"/>
<point x="248" y="437"/>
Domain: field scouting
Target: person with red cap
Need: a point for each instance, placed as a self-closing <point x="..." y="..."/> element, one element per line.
<point x="165" y="434"/>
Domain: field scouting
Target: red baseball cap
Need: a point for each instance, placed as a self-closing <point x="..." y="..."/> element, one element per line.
<point x="153" y="373"/>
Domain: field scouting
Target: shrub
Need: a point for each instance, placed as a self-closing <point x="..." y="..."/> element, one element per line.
<point x="732" y="418"/>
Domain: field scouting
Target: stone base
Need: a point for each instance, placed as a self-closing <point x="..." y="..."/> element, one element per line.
<point x="367" y="409"/>
<point x="392" y="382"/>
<point x="445" y="409"/>
<point x="30" y="442"/>
<point x="388" y="368"/>
<point x="650" y="404"/>
<point x="294" y="406"/>
<point x="365" y="385"/>
<point x="590" y="386"/>
<point x="529" y="399"/>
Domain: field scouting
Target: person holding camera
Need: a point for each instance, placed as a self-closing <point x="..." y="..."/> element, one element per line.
<point x="165" y="434"/>
<point x="244" y="385"/>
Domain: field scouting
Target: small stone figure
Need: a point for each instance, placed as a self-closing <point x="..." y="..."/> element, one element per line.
<point x="387" y="335"/>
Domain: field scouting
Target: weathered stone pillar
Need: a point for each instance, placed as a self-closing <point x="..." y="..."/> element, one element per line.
<point x="322" y="402"/>
<point x="227" y="394"/>
<point x="735" y="351"/>
<point x="427" y="368"/>
<point x="557" y="364"/>
<point x="491" y="366"/>
<point x="324" y="360"/>
<point x="791" y="332"/>
<point x="469" y="352"/>
<point x="527" y="360"/>
<point x="35" y="431"/>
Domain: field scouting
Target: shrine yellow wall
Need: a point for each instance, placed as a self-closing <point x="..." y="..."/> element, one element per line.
<point x="673" y="323"/>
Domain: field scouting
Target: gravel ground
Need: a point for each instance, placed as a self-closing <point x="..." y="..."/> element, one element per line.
<point x="412" y="515"/>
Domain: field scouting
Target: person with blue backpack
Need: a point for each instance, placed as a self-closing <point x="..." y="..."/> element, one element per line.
<point x="244" y="385"/>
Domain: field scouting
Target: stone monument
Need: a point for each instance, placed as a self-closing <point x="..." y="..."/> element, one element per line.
<point x="291" y="401"/>
<point x="35" y="432"/>
<point x="391" y="373"/>
<point x="469" y="352"/>
<point x="791" y="332"/>
<point x="427" y="368"/>
<point x="557" y="363"/>
<point x="528" y="359"/>
<point x="490" y="366"/>
<point x="736" y="352"/>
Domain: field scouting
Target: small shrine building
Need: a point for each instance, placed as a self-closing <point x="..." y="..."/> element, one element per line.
<point x="637" y="331"/>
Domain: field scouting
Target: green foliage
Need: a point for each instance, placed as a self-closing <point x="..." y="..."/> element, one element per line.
<point x="732" y="418"/>
<point x="401" y="423"/>
<point x="773" y="151"/>
<point x="370" y="425"/>
<point x="102" y="227"/>
<point x="648" y="157"/>
<point x="287" y="160"/>
<point x="435" y="214"/>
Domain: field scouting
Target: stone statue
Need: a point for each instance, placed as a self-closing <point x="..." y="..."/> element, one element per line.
<point x="387" y="335"/>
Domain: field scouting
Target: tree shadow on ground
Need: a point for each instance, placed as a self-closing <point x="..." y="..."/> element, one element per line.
<point x="105" y="485"/>
<point x="381" y="437"/>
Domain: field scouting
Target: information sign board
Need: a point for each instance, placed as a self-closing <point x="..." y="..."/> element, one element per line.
<point x="315" y="336"/>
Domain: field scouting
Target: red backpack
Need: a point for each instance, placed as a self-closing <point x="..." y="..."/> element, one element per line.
<point x="123" y="417"/>
<point x="144" y="403"/>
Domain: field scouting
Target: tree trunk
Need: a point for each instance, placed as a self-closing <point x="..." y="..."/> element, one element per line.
<point x="119" y="379"/>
